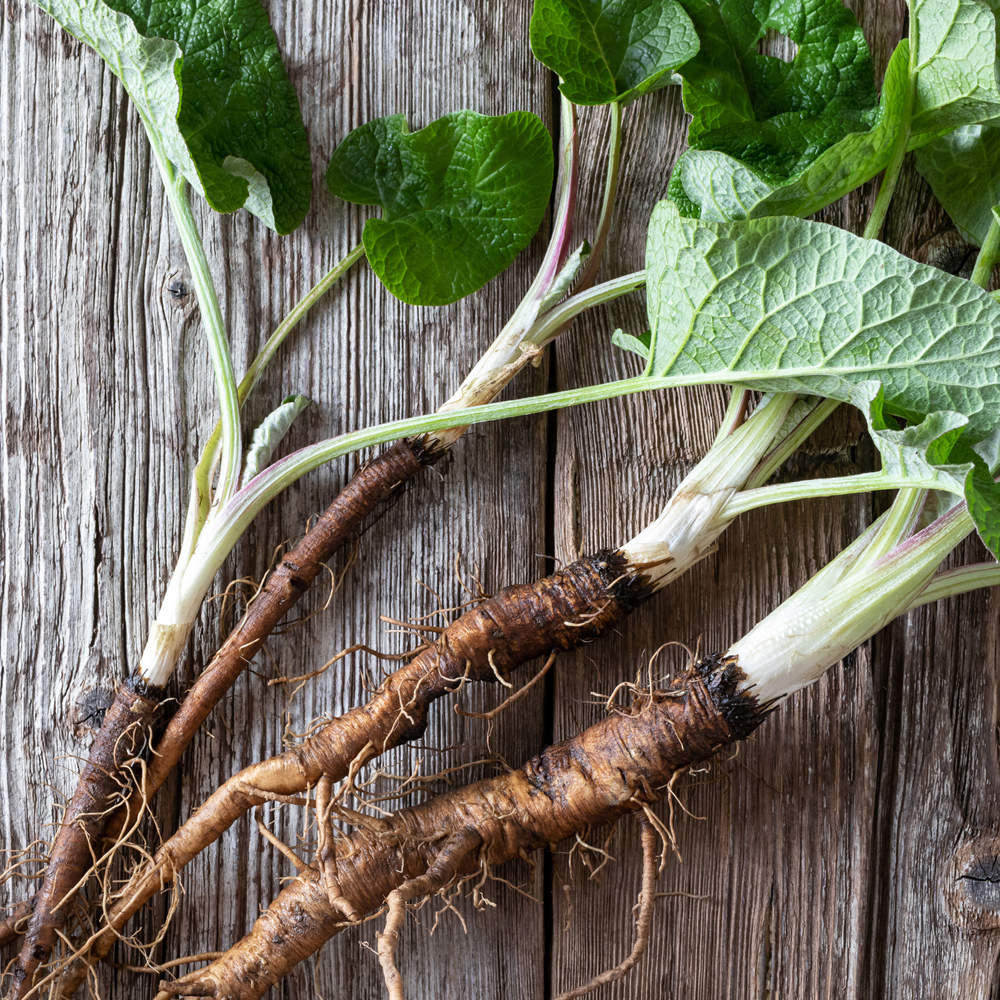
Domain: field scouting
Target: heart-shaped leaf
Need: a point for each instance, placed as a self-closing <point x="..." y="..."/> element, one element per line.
<point x="611" y="50"/>
<point x="209" y="84"/>
<point x="460" y="199"/>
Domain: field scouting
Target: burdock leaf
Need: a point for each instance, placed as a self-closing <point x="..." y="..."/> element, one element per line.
<point x="611" y="50"/>
<point x="935" y="454"/>
<point x="563" y="281"/>
<point x="637" y="345"/>
<point x="776" y="116"/>
<point x="460" y="199"/>
<point x="210" y="87"/>
<point x="955" y="65"/>
<point x="953" y="81"/>
<point x="931" y="451"/>
<point x="717" y="187"/>
<point x="982" y="494"/>
<point x="963" y="169"/>
<point x="785" y="305"/>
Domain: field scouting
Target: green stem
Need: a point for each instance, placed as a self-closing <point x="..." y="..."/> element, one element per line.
<point x="589" y="274"/>
<point x="958" y="581"/>
<point x="209" y="454"/>
<point x="243" y="507"/>
<point x="735" y="415"/>
<point x="987" y="255"/>
<point x="865" y="482"/>
<point x="891" y="176"/>
<point x="285" y="327"/>
<point x="901" y="519"/>
<point x="787" y="447"/>
<point x="902" y="515"/>
<point x="211" y="317"/>
<point x="559" y="316"/>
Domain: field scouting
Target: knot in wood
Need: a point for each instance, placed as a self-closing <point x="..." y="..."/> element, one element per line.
<point x="971" y="884"/>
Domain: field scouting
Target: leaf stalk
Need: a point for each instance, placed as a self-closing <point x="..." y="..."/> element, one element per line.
<point x="899" y="150"/>
<point x="988" y="254"/>
<point x="589" y="274"/>
<point x="211" y="316"/>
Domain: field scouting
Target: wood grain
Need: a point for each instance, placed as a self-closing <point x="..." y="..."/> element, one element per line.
<point x="834" y="856"/>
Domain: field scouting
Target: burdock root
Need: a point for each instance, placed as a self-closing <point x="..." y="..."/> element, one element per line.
<point x="622" y="764"/>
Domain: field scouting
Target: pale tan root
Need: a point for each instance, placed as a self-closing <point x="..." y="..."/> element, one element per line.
<point x="438" y="876"/>
<point x="647" y="896"/>
<point x="516" y="696"/>
<point x="206" y="956"/>
<point x="326" y="849"/>
<point x="281" y="846"/>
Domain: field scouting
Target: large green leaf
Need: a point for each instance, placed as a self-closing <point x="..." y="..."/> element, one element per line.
<point x="955" y="64"/>
<point x="963" y="169"/>
<point x="787" y="305"/>
<point x="717" y="187"/>
<point x="773" y="115"/>
<point x="236" y="133"/>
<point x="952" y="81"/>
<point x="611" y="50"/>
<point x="935" y="455"/>
<point x="784" y="305"/>
<point x="931" y="451"/>
<point x="460" y="198"/>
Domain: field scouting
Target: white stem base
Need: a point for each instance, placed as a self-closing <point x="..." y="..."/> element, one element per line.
<point x="695" y="516"/>
<point x="843" y="605"/>
<point x="164" y="648"/>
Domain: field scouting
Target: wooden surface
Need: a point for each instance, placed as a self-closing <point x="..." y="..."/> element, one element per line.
<point x="830" y="858"/>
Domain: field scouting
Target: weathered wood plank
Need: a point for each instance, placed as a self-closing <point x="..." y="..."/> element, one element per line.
<point x="823" y="856"/>
<point x="90" y="521"/>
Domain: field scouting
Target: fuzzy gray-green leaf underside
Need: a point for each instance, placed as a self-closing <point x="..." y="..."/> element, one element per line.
<point x="792" y="306"/>
<point x="955" y="63"/>
<point x="920" y="451"/>
<point x="270" y="433"/>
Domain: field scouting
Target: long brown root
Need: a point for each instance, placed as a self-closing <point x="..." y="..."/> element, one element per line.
<point x="618" y="766"/>
<point x="558" y="612"/>
<point x="122" y="734"/>
<point x="290" y="579"/>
